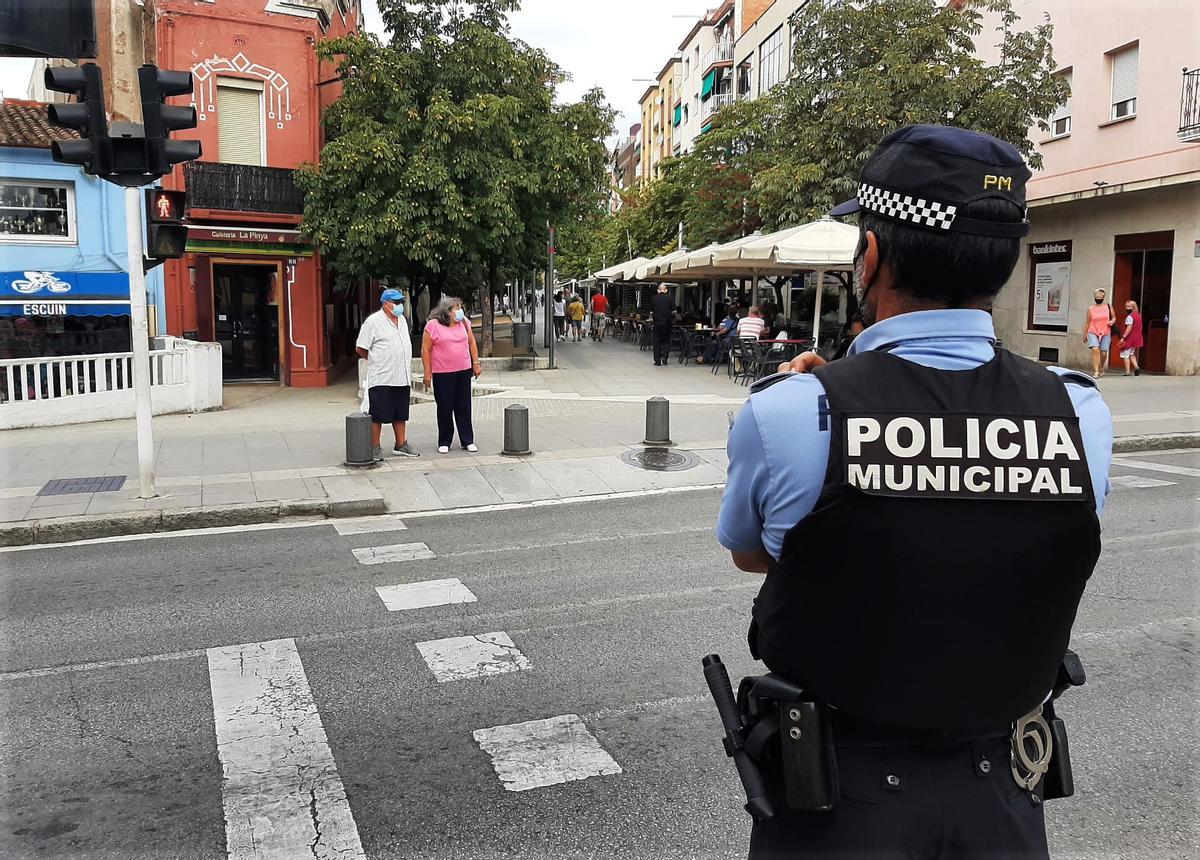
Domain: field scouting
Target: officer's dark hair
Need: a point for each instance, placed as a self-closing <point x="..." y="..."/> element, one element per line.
<point x="949" y="268"/>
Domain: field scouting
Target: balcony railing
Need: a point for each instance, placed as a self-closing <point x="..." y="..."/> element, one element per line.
<point x="1189" y="107"/>
<point x="242" y="188"/>
<point x="722" y="52"/>
<point x="717" y="101"/>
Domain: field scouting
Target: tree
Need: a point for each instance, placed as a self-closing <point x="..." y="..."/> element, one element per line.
<point x="447" y="154"/>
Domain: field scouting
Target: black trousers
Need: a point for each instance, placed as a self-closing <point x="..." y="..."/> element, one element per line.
<point x="661" y="337"/>
<point x="452" y="391"/>
<point x="901" y="802"/>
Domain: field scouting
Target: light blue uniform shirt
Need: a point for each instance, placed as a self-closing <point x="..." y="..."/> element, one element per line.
<point x="778" y="451"/>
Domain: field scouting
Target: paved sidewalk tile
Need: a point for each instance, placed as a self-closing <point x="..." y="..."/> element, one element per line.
<point x="269" y="491"/>
<point x="517" y="482"/>
<point x="405" y="492"/>
<point x="101" y="505"/>
<point x="618" y="475"/>
<point x="458" y="488"/>
<point x="571" y="478"/>
<point x="229" y="494"/>
<point x="349" y="487"/>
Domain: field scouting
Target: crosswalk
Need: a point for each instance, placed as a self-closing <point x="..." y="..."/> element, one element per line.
<point x="281" y="792"/>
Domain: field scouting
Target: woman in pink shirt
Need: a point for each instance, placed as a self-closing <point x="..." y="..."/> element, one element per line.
<point x="1098" y="333"/>
<point x="450" y="359"/>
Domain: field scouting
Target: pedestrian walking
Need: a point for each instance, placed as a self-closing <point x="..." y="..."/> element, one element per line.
<point x="560" y="316"/>
<point x="575" y="313"/>
<point x="662" y="311"/>
<point x="1098" y="332"/>
<point x="911" y="700"/>
<point x="599" y="315"/>
<point x="450" y="359"/>
<point x="1131" y="338"/>
<point x="384" y="343"/>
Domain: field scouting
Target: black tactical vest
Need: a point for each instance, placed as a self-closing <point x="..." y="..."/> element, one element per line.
<point x="935" y="583"/>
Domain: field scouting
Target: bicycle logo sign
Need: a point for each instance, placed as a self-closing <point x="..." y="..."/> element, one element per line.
<point x="35" y="282"/>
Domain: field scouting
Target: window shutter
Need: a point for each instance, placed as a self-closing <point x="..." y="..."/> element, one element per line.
<point x="239" y="117"/>
<point x="1063" y="110"/>
<point x="1125" y="75"/>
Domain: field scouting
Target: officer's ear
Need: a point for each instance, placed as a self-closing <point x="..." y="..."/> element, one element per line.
<point x="870" y="259"/>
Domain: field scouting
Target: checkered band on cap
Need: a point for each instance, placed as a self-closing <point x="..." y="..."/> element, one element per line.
<point x="902" y="207"/>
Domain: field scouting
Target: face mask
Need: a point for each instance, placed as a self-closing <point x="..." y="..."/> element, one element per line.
<point x="865" y="313"/>
<point x="398" y="310"/>
<point x="1100" y="300"/>
<point x="459" y="315"/>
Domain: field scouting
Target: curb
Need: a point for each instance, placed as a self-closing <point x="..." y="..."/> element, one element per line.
<point x="1155" y="442"/>
<point x="67" y="529"/>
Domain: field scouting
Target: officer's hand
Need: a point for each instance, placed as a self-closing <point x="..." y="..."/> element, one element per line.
<point x="805" y="362"/>
<point x="428" y="380"/>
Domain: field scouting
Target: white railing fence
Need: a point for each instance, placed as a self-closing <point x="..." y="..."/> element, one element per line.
<point x="70" y="389"/>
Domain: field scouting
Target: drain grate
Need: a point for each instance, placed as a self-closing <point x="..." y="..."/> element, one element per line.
<point x="73" y="486"/>
<point x="660" y="459"/>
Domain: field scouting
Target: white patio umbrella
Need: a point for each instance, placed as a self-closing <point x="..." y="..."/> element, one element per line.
<point x="650" y="269"/>
<point x="613" y="273"/>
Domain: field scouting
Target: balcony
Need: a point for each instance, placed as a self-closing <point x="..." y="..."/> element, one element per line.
<point x="1189" y="107"/>
<point x="722" y="52"/>
<point x="715" y="102"/>
<point x="242" y="188"/>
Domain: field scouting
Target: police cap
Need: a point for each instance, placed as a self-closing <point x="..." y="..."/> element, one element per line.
<point x="924" y="175"/>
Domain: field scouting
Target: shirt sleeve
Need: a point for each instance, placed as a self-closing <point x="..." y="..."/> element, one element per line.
<point x="1096" y="428"/>
<point x="365" y="336"/>
<point x="740" y="521"/>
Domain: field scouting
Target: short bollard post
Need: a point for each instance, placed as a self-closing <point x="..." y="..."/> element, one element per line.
<point x="516" y="430"/>
<point x="358" y="440"/>
<point x="658" y="423"/>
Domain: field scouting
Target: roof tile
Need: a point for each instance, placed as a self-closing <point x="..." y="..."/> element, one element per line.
<point x="24" y="123"/>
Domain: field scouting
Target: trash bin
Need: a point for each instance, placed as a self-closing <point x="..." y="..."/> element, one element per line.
<point x="522" y="334"/>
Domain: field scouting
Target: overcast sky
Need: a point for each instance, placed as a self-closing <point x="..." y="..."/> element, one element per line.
<point x="605" y="44"/>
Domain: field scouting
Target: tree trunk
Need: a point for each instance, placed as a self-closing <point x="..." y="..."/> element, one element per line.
<point x="485" y="300"/>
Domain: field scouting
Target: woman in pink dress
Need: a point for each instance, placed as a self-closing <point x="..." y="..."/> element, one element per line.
<point x="1098" y="333"/>
<point x="1131" y="338"/>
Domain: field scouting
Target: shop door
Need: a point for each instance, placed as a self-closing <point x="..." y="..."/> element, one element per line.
<point x="1144" y="275"/>
<point x="246" y="320"/>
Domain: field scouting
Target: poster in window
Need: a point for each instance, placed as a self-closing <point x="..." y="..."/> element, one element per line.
<point x="1051" y="293"/>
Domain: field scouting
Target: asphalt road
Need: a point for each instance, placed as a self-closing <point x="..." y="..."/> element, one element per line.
<point x="110" y="743"/>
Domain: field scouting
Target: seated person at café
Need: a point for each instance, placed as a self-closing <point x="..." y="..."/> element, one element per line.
<point x="752" y="325"/>
<point x="725" y="330"/>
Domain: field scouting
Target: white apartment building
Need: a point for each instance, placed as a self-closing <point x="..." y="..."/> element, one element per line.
<point x="706" y="75"/>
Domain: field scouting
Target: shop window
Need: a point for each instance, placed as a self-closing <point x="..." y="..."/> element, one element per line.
<point x="34" y="211"/>
<point x="241" y="131"/>
<point x="1124" y="65"/>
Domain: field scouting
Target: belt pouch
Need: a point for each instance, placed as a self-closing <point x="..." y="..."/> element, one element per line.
<point x="809" y="763"/>
<point x="1059" y="780"/>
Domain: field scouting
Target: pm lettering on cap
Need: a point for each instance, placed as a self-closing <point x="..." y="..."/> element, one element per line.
<point x="1000" y="183"/>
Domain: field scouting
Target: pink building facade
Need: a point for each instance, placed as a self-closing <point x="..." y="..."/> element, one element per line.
<point x="1116" y="204"/>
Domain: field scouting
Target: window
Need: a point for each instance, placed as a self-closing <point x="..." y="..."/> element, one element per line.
<point x="770" y="61"/>
<point x="35" y="211"/>
<point x="1060" y="120"/>
<point x="241" y="132"/>
<point x="1124" y="82"/>
<point x="687" y="67"/>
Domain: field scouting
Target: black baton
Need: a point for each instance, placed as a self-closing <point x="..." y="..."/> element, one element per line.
<point x="757" y="803"/>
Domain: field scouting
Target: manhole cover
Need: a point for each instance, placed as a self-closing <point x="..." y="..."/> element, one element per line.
<point x="659" y="459"/>
<point x="72" y="486"/>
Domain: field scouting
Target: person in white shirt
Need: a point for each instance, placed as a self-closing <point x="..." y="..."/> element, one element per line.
<point x="384" y="342"/>
<point x="752" y="325"/>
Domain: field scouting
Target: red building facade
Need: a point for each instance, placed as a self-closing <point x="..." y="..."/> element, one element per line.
<point x="249" y="280"/>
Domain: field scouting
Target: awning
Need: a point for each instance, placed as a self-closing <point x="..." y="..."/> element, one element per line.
<point x="710" y="81"/>
<point x="58" y="294"/>
<point x="678" y="114"/>
<point x="617" y="272"/>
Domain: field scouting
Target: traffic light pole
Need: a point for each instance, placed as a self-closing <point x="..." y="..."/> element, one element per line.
<point x="140" y="335"/>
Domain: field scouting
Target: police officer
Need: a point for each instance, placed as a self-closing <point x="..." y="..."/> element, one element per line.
<point x="925" y="510"/>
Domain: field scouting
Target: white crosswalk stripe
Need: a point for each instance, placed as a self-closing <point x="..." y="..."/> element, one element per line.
<point x="1138" y="482"/>
<point x="472" y="656"/>
<point x="393" y="553"/>
<point x="545" y="752"/>
<point x="1130" y="463"/>
<point x="281" y="791"/>
<point x="369" y="525"/>
<point x="418" y="595"/>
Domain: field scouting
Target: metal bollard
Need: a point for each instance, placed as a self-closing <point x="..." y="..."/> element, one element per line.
<point x="358" y="440"/>
<point x="516" y="430"/>
<point x="658" y="423"/>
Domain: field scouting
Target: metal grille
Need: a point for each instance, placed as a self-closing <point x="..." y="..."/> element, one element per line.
<point x="660" y="459"/>
<point x="73" y="486"/>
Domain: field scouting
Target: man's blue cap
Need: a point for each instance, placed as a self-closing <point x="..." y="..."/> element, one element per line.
<point x="924" y="175"/>
<point x="391" y="296"/>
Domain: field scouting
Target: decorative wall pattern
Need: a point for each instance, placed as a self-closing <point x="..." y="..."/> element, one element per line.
<point x="276" y="86"/>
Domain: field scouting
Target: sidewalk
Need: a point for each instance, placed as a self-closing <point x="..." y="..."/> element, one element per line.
<point x="273" y="452"/>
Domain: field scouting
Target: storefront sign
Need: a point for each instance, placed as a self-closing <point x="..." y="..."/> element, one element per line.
<point x="1050" y="285"/>
<point x="238" y="234"/>
<point x="40" y="293"/>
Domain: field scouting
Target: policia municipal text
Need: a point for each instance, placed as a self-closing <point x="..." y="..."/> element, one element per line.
<point x="926" y="512"/>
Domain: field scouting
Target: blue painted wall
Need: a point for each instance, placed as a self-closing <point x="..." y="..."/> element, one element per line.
<point x="99" y="225"/>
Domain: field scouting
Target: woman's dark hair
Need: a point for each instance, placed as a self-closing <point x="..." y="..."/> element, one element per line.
<point x="949" y="268"/>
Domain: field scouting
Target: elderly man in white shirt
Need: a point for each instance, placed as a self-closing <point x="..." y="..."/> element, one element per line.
<point x="384" y="342"/>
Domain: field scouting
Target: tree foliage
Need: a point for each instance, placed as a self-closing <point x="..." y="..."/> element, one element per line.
<point x="447" y="154"/>
<point x="860" y="71"/>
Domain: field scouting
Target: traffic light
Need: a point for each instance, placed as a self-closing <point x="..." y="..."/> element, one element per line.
<point x="166" y="232"/>
<point x="160" y="119"/>
<point x="86" y="116"/>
